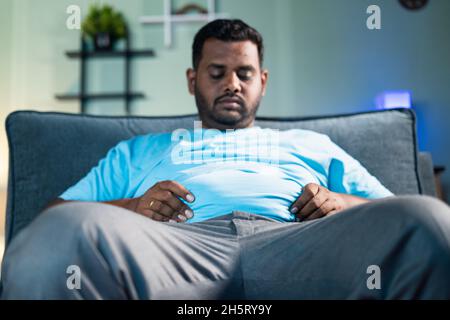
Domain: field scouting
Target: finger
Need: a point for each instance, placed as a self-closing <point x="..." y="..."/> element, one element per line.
<point x="148" y="207"/>
<point x="332" y="212"/>
<point x="162" y="209"/>
<point x="322" y="211"/>
<point x="177" y="189"/>
<point x="313" y="204"/>
<point x="154" y="215"/>
<point x="309" y="191"/>
<point x="171" y="214"/>
<point x="171" y="200"/>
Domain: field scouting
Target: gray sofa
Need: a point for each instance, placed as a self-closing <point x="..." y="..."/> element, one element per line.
<point x="51" y="151"/>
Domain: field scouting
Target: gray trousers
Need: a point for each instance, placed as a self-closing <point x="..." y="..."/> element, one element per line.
<point x="393" y="248"/>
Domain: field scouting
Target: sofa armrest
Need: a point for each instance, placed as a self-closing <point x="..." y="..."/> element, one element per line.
<point x="426" y="174"/>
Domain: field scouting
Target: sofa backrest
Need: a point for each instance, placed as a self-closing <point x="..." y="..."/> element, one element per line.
<point x="50" y="152"/>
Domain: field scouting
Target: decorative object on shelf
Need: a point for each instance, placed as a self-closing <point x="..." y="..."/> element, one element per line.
<point x="191" y="7"/>
<point x="104" y="26"/>
<point x="168" y="18"/>
<point x="413" y="4"/>
<point x="103" y="41"/>
<point x="127" y="94"/>
<point x="393" y="99"/>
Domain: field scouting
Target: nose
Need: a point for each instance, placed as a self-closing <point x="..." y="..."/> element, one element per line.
<point x="232" y="83"/>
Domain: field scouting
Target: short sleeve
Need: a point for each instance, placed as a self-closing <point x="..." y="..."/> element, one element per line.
<point x="348" y="175"/>
<point x="105" y="182"/>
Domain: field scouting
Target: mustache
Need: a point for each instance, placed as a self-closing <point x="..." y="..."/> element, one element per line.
<point x="230" y="96"/>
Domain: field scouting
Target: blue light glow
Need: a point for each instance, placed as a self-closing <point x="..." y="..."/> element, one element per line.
<point x="393" y="99"/>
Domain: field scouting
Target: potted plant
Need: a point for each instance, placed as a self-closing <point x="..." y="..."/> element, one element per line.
<point x="104" y="26"/>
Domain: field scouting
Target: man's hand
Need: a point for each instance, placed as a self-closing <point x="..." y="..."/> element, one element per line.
<point x="317" y="201"/>
<point x="162" y="202"/>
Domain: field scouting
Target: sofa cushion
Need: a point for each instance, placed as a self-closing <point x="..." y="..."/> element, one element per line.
<point x="50" y="152"/>
<point x="383" y="141"/>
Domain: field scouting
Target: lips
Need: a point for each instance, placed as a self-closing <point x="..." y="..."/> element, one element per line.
<point x="230" y="100"/>
<point x="230" y="103"/>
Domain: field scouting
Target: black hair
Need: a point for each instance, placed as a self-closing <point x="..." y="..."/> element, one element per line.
<point x="229" y="31"/>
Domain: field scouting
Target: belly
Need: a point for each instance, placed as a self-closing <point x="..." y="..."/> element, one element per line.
<point x="262" y="189"/>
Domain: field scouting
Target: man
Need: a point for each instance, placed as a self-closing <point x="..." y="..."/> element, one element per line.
<point x="219" y="217"/>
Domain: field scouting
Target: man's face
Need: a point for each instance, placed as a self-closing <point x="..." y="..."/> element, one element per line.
<point x="228" y="84"/>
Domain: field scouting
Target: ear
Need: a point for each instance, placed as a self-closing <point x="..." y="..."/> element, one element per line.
<point x="264" y="78"/>
<point x="190" y="76"/>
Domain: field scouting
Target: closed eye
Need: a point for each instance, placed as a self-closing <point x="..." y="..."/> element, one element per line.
<point x="245" y="73"/>
<point x="216" y="76"/>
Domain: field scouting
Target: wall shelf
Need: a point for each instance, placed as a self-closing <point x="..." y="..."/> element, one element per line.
<point x="168" y="18"/>
<point x="109" y="54"/>
<point x="84" y="54"/>
<point x="99" y="96"/>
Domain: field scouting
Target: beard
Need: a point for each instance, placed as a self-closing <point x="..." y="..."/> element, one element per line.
<point x="237" y="118"/>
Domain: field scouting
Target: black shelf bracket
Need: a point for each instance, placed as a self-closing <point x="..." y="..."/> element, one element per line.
<point x="84" y="54"/>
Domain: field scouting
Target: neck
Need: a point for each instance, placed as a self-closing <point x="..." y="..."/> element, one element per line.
<point x="205" y="125"/>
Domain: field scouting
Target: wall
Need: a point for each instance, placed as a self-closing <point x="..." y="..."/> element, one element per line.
<point x="5" y="71"/>
<point x="322" y="59"/>
<point x="341" y="65"/>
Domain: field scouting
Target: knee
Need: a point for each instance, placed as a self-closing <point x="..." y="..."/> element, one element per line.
<point x="65" y="229"/>
<point x="55" y="237"/>
<point x="398" y="217"/>
<point x="419" y="236"/>
<point x="62" y="236"/>
<point x="76" y="214"/>
<point x="78" y="220"/>
<point x="420" y="210"/>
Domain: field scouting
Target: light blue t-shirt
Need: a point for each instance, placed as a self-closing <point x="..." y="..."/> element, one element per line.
<point x="261" y="171"/>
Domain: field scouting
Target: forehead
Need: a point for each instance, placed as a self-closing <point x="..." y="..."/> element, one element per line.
<point x="229" y="53"/>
